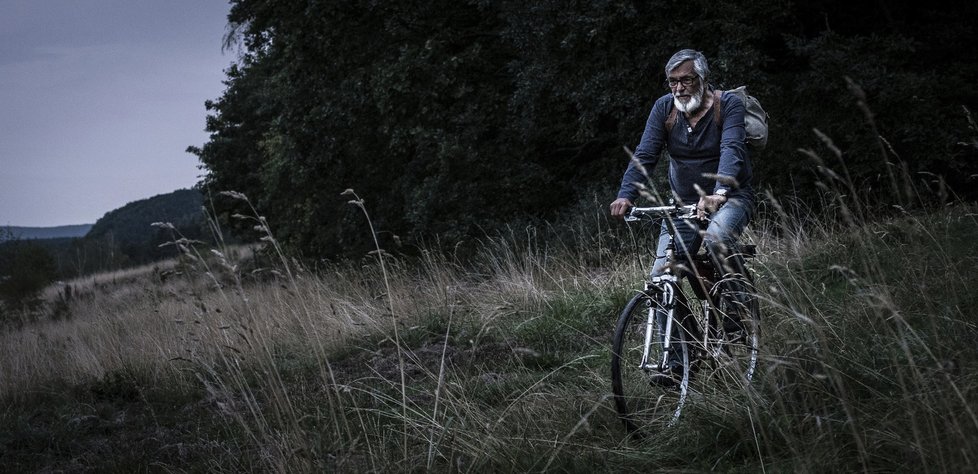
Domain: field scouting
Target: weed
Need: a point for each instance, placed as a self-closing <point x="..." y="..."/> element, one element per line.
<point x="392" y="365"/>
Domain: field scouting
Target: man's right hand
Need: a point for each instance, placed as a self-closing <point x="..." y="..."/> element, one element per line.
<point x="620" y="206"/>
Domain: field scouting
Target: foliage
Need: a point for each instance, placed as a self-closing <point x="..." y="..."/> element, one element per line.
<point x="455" y="117"/>
<point x="59" y="232"/>
<point x="122" y="238"/>
<point x="25" y="269"/>
<point x="127" y="236"/>
<point x="864" y="365"/>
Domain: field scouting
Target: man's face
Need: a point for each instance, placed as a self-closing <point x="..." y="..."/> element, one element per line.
<point x="686" y="87"/>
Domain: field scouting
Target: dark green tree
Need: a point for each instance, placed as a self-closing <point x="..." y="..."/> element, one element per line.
<point x="451" y="118"/>
<point x="126" y="235"/>
<point x="25" y="269"/>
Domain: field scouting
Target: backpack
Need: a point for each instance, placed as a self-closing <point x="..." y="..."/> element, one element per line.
<point x="755" y="118"/>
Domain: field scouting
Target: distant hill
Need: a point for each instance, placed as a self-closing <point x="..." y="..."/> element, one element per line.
<point x="59" y="232"/>
<point x="130" y="227"/>
<point x="121" y="238"/>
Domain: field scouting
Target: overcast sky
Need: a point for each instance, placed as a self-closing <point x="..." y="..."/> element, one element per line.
<point x="99" y="100"/>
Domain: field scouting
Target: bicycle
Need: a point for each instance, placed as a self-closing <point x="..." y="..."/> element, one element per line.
<point x="717" y="338"/>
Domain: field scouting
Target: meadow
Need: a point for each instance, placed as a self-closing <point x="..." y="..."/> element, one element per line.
<point x="221" y="361"/>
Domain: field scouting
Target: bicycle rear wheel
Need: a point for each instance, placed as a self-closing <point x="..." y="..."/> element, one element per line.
<point x="739" y="337"/>
<point x="643" y="404"/>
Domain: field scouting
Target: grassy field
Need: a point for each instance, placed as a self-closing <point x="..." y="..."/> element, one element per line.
<point x="868" y="361"/>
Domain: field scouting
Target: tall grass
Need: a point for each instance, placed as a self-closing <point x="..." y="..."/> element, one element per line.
<point x="501" y="364"/>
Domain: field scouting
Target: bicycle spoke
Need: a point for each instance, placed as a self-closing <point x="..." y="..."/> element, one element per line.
<point x="644" y="398"/>
<point x="718" y="338"/>
<point x="739" y="339"/>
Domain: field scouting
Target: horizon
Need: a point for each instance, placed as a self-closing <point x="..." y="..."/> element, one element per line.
<point x="5" y="225"/>
<point x="45" y="227"/>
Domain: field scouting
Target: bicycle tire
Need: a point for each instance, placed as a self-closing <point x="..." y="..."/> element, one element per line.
<point x="738" y="358"/>
<point x="642" y="406"/>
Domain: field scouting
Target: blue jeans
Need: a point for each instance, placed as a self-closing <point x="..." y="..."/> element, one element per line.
<point x="721" y="235"/>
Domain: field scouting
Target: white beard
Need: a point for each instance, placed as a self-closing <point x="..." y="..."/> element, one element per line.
<point x="688" y="107"/>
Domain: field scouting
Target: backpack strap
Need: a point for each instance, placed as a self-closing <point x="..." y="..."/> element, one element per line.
<point x="717" y="116"/>
<point x="671" y="118"/>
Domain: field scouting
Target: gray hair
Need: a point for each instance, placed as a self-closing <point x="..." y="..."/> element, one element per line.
<point x="699" y="62"/>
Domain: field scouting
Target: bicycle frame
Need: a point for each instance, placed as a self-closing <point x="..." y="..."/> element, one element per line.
<point x="660" y="331"/>
<point x="665" y="287"/>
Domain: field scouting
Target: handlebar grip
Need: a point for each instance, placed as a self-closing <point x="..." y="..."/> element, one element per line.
<point x="628" y="215"/>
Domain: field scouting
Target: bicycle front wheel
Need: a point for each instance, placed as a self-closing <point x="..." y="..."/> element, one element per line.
<point x="643" y="401"/>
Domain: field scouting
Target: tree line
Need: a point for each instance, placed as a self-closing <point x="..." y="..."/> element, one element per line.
<point x="452" y="118"/>
<point x="122" y="238"/>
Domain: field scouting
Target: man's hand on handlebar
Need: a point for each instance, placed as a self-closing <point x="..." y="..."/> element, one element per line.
<point x="620" y="207"/>
<point x="709" y="204"/>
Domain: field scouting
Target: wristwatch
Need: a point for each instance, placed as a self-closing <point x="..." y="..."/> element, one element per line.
<point x="721" y="192"/>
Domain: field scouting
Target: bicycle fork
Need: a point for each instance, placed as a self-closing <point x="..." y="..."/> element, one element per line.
<point x="665" y="296"/>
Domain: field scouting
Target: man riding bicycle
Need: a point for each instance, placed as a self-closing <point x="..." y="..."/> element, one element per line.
<point x="703" y="131"/>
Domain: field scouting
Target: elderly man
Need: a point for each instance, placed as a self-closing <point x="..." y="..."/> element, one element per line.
<point x="703" y="130"/>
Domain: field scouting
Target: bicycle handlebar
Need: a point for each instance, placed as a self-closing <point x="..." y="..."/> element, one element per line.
<point x="684" y="212"/>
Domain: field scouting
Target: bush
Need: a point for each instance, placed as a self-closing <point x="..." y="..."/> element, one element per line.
<point x="25" y="269"/>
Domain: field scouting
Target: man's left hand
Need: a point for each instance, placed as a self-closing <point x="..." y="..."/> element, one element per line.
<point x="709" y="204"/>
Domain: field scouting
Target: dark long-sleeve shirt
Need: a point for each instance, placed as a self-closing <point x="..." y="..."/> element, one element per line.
<point x="698" y="154"/>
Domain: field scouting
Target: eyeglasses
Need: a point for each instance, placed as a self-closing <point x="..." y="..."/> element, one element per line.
<point x="686" y="81"/>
